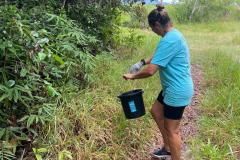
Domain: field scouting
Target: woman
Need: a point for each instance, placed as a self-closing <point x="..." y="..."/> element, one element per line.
<point x="171" y="59"/>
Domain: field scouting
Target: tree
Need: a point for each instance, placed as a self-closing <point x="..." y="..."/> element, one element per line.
<point x="203" y="10"/>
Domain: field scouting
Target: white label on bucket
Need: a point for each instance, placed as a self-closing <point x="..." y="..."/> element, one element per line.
<point x="132" y="106"/>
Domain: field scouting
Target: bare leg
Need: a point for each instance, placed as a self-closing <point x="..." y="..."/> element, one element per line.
<point x="157" y="113"/>
<point x="174" y="138"/>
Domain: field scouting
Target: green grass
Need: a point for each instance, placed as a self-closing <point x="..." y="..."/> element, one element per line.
<point x="93" y="126"/>
<point x="215" y="47"/>
<point x="219" y="122"/>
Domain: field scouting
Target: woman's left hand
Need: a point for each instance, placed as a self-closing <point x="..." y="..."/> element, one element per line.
<point x="128" y="76"/>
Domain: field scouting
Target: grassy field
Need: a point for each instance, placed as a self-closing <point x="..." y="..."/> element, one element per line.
<point x="216" y="47"/>
<point x="93" y="126"/>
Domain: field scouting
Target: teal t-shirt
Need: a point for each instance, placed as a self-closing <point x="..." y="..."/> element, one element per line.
<point x="172" y="56"/>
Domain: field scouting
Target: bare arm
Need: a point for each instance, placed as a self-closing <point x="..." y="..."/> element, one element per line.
<point x="150" y="70"/>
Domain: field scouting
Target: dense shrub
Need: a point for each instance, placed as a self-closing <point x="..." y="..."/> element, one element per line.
<point x="47" y="53"/>
<point x="138" y="14"/>
<point x="41" y="54"/>
<point x="97" y="18"/>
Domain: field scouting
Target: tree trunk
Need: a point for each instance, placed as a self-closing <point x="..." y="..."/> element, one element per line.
<point x="63" y="3"/>
<point x="193" y="10"/>
<point x="238" y="5"/>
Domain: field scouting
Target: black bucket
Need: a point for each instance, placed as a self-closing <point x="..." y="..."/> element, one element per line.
<point x="132" y="103"/>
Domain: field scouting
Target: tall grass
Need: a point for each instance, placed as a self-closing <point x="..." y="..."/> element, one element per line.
<point x="216" y="47"/>
<point x="93" y="126"/>
<point x="219" y="123"/>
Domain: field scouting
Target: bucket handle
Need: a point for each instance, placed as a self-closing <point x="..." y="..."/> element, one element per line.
<point x="119" y="96"/>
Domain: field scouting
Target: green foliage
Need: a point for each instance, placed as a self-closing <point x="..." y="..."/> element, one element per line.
<point x="7" y="150"/>
<point x="47" y="51"/>
<point x="138" y="15"/>
<point x="64" y="155"/>
<point x="99" y="19"/>
<point x="204" y="10"/>
<point x="210" y="151"/>
<point x="39" y="54"/>
<point x="39" y="153"/>
<point x="133" y="40"/>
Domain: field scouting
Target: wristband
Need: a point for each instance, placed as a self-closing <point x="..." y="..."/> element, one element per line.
<point x="143" y="61"/>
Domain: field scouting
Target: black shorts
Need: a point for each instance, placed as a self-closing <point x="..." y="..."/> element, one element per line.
<point x="171" y="112"/>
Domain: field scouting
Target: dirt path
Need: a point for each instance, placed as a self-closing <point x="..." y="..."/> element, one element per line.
<point x="188" y="124"/>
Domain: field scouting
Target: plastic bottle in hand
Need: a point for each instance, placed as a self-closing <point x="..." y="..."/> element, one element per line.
<point x="136" y="67"/>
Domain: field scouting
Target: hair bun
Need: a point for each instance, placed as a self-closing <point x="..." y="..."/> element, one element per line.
<point x="160" y="7"/>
